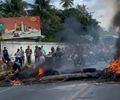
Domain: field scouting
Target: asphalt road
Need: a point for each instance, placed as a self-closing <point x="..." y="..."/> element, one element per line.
<point x="62" y="91"/>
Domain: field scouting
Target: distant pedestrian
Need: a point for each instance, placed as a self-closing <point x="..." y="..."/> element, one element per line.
<point x="18" y="56"/>
<point x="58" y="52"/>
<point x="28" y="52"/>
<point x="22" y="55"/>
<point x="43" y="51"/>
<point x="39" y="54"/>
<point x="41" y="57"/>
<point x="53" y="51"/>
<point x="5" y="55"/>
<point x="35" y="53"/>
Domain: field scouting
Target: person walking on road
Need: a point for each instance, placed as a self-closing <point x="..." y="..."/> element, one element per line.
<point x="28" y="52"/>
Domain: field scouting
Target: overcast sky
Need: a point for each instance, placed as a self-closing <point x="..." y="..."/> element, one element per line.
<point x="99" y="8"/>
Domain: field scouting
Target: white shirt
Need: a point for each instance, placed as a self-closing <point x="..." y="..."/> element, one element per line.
<point x="18" y="54"/>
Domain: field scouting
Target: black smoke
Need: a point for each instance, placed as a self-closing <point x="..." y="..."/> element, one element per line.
<point x="116" y="24"/>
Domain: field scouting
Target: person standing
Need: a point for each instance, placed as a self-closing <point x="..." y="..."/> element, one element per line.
<point x="39" y="54"/>
<point x="28" y="52"/>
<point x="18" y="56"/>
<point x="35" y="53"/>
<point x="22" y="55"/>
<point x="43" y="51"/>
<point x="5" y="55"/>
<point x="52" y="52"/>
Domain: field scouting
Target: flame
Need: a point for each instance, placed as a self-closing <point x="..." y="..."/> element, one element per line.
<point x="40" y="71"/>
<point x="16" y="82"/>
<point x="114" y="67"/>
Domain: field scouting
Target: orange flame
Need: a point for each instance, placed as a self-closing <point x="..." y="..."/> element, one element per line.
<point x="16" y="82"/>
<point x="114" y="67"/>
<point x="40" y="71"/>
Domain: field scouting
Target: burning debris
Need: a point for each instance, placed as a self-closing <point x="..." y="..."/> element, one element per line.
<point x="113" y="69"/>
<point x="16" y="82"/>
<point x="42" y="74"/>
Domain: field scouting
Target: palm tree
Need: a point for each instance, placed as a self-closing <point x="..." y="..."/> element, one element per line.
<point x="50" y="20"/>
<point x="66" y="3"/>
<point x="12" y="8"/>
<point x="41" y="8"/>
<point x="82" y="9"/>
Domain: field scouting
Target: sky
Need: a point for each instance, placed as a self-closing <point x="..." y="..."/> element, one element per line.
<point x="99" y="10"/>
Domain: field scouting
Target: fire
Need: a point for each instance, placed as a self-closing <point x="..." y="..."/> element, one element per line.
<point x="17" y="82"/>
<point x="114" y="67"/>
<point x="40" y="71"/>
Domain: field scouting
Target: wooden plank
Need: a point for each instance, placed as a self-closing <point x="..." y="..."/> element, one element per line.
<point x="68" y="76"/>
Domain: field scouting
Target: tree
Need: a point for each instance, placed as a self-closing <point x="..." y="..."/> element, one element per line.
<point x="85" y="25"/>
<point x="41" y="8"/>
<point x="12" y="8"/>
<point x="66" y="3"/>
<point x="50" y="20"/>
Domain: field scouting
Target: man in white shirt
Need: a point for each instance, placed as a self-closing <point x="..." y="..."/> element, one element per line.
<point x="18" y="56"/>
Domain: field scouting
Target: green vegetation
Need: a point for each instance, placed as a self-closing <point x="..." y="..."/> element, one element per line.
<point x="52" y="19"/>
<point x="66" y="3"/>
<point x="12" y="8"/>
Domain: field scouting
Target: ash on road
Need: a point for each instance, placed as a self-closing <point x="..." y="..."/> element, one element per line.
<point x="62" y="91"/>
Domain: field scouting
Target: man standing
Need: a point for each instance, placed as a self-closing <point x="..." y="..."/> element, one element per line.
<point x="18" y="56"/>
<point x="5" y="55"/>
<point x="22" y="55"/>
<point x="35" y="53"/>
<point x="28" y="52"/>
<point x="43" y="51"/>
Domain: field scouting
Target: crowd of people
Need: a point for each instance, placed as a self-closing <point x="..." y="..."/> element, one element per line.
<point x="20" y="54"/>
<point x="39" y="54"/>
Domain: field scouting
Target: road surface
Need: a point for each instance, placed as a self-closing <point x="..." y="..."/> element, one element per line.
<point x="62" y="91"/>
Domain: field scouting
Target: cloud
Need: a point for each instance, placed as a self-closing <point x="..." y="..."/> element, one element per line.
<point x="103" y="12"/>
<point x="30" y="1"/>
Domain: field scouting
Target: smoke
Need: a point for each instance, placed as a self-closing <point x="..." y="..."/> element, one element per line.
<point x="116" y="24"/>
<point x="73" y="31"/>
<point x="112" y="8"/>
<point x="116" y="18"/>
<point x="79" y="42"/>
